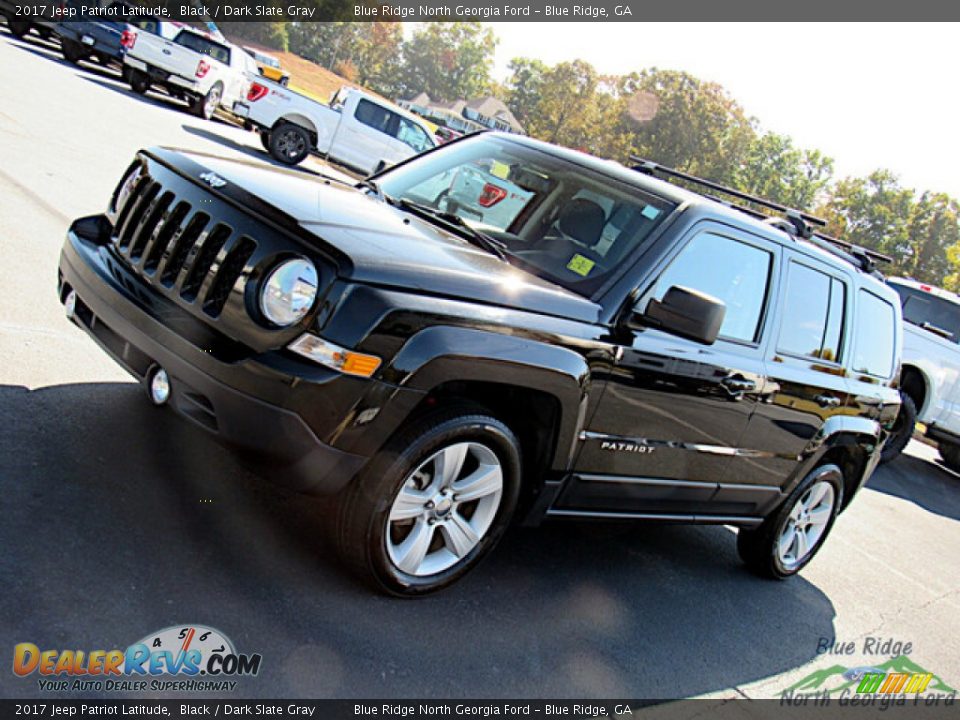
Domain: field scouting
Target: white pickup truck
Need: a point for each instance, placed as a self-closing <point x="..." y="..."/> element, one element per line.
<point x="357" y="129"/>
<point x="930" y="372"/>
<point x="206" y="71"/>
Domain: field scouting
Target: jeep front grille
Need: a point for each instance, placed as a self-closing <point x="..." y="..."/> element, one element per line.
<point x="178" y="248"/>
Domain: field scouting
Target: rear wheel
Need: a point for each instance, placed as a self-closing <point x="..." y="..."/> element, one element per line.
<point x="139" y="81"/>
<point x="902" y="429"/>
<point x="289" y="143"/>
<point x="789" y="539"/>
<point x="73" y="51"/>
<point x="950" y="454"/>
<point x="18" y="27"/>
<point x="432" y="504"/>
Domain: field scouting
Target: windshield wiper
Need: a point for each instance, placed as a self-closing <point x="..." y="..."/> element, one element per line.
<point x="477" y="237"/>
<point x="375" y="186"/>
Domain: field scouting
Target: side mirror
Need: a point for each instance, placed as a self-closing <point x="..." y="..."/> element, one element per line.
<point x="688" y="313"/>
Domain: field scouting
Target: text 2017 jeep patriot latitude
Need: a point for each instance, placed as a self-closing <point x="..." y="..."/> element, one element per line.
<point x="579" y="340"/>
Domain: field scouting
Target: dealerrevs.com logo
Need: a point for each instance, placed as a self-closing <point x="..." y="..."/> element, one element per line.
<point x="181" y="657"/>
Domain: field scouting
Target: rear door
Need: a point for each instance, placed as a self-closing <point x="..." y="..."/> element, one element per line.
<point x="670" y="425"/>
<point x="806" y="367"/>
<point x="409" y="139"/>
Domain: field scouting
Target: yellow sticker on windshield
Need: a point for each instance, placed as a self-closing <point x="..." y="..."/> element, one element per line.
<point x="580" y="265"/>
<point x="499" y="169"/>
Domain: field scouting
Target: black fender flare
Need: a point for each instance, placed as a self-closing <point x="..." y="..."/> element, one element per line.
<point x="440" y="354"/>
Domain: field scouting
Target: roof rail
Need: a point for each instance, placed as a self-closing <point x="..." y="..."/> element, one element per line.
<point x="796" y="223"/>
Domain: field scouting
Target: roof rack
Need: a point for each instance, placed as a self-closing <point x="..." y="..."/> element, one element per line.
<point x="795" y="223"/>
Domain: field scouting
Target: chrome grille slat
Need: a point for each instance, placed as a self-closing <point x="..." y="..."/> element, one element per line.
<point x="182" y="245"/>
<point x="125" y="236"/>
<point x="170" y="228"/>
<point x="202" y="261"/>
<point x="224" y="275"/>
<point x="151" y="223"/>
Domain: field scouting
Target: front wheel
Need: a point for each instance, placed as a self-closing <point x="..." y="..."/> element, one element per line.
<point x="73" y="51"/>
<point x="432" y="504"/>
<point x="206" y="105"/>
<point x="902" y="430"/>
<point x="289" y="143"/>
<point x="265" y="140"/>
<point x="789" y="539"/>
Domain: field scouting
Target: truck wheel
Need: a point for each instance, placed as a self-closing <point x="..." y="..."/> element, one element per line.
<point x="289" y="143"/>
<point x="265" y="140"/>
<point x="788" y="539"/>
<point x="73" y="51"/>
<point x="206" y="105"/>
<point x="902" y="429"/>
<point x="950" y="454"/>
<point x="19" y="28"/>
<point x="431" y="504"/>
<point x="139" y="81"/>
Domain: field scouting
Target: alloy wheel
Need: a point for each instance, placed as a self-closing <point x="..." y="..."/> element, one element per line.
<point x="806" y="524"/>
<point x="444" y="509"/>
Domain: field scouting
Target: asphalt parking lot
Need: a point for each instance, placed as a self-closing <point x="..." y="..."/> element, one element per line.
<point x="120" y="519"/>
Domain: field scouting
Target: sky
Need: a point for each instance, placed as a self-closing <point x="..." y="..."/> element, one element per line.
<point x="868" y="95"/>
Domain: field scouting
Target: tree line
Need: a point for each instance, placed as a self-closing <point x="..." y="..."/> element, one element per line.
<point x="667" y="116"/>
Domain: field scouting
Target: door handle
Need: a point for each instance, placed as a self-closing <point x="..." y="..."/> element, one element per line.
<point x="827" y="401"/>
<point x="738" y="384"/>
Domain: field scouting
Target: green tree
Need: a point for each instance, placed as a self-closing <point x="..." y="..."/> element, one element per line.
<point x="523" y="87"/>
<point x="688" y="123"/>
<point x="447" y="60"/>
<point x="775" y="169"/>
<point x="934" y="236"/>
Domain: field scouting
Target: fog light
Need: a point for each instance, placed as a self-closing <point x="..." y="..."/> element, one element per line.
<point x="159" y="387"/>
<point x="70" y="305"/>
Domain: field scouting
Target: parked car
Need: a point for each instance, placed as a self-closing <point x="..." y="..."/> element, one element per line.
<point x="205" y="70"/>
<point x="38" y="16"/>
<point x="930" y="378"/>
<point x="269" y="66"/>
<point x="670" y="358"/>
<point x="357" y="129"/>
<point x="108" y="41"/>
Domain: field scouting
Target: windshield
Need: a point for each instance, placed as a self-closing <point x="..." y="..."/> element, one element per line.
<point x="927" y="310"/>
<point x="555" y="218"/>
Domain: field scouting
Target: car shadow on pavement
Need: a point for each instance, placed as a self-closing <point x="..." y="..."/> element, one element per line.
<point x="51" y="52"/>
<point x="909" y="478"/>
<point x="121" y="519"/>
<point x="155" y="98"/>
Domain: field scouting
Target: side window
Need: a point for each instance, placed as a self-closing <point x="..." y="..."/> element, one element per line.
<point x="373" y="115"/>
<point x="873" y="343"/>
<point x="729" y="270"/>
<point x="413" y="135"/>
<point x="812" y="320"/>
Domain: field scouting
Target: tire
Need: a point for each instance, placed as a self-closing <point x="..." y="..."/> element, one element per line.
<point x="265" y="140"/>
<point x="902" y="429"/>
<point x="760" y="548"/>
<point x="205" y="106"/>
<point x="19" y="28"/>
<point x="139" y="81"/>
<point x="73" y="51"/>
<point x="290" y="143"/>
<point x="380" y="516"/>
<point x="285" y="81"/>
<point x="950" y="454"/>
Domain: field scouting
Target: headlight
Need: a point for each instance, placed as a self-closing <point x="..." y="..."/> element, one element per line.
<point x="289" y="292"/>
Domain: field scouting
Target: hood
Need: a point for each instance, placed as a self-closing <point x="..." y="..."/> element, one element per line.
<point x="376" y="243"/>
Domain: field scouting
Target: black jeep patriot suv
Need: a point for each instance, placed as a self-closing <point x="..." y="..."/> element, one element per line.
<point x="499" y="328"/>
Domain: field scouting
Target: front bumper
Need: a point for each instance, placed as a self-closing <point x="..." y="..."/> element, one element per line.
<point x="245" y="401"/>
